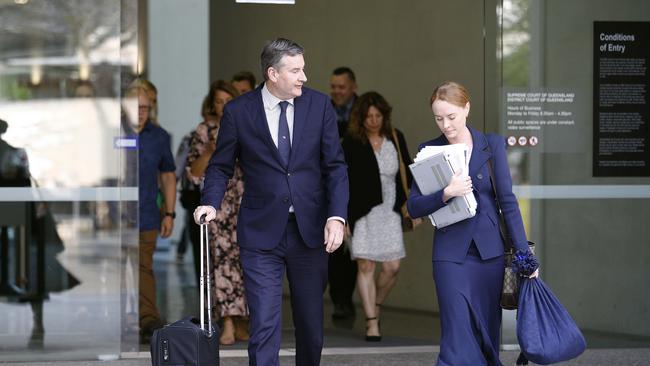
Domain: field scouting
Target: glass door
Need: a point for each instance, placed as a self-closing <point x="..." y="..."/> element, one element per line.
<point x="68" y="207"/>
<point x="570" y="94"/>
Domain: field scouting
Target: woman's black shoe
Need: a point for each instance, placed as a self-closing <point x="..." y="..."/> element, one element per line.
<point x="372" y="338"/>
<point x="522" y="360"/>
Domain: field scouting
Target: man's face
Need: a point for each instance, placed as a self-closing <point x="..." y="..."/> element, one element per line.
<point x="242" y="86"/>
<point x="287" y="80"/>
<point x="342" y="89"/>
<point x="144" y="107"/>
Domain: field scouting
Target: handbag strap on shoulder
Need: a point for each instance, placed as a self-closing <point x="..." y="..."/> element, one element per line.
<point x="402" y="167"/>
<point x="503" y="229"/>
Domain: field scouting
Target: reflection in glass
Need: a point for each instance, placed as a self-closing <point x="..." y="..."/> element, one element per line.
<point x="547" y="47"/>
<point x="515" y="42"/>
<point x="66" y="278"/>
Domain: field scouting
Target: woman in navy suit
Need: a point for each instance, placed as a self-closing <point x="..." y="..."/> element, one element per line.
<point x="468" y="255"/>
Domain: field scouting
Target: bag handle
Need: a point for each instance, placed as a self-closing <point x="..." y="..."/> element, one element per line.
<point x="503" y="229"/>
<point x="204" y="281"/>
<point x="402" y="167"/>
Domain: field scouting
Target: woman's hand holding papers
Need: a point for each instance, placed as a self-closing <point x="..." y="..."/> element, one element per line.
<point x="459" y="185"/>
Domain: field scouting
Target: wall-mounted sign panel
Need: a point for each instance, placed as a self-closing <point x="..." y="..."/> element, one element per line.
<point x="620" y="99"/>
<point x="544" y="119"/>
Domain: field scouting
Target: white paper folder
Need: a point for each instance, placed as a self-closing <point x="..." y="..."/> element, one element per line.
<point x="433" y="174"/>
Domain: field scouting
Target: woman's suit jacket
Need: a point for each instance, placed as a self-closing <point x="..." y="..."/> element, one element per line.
<point x="363" y="175"/>
<point x="451" y="243"/>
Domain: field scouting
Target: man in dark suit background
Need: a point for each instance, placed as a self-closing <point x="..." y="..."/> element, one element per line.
<point x="342" y="269"/>
<point x="343" y="90"/>
<point x="295" y="200"/>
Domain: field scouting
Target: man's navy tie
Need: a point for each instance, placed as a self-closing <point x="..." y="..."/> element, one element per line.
<point x="284" y="143"/>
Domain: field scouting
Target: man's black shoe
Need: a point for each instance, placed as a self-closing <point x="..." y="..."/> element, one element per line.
<point x="349" y="308"/>
<point x="145" y="338"/>
<point x="343" y="311"/>
<point x="146" y="331"/>
<point x="340" y="312"/>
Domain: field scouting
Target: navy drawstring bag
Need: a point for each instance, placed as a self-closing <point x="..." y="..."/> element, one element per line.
<point x="547" y="333"/>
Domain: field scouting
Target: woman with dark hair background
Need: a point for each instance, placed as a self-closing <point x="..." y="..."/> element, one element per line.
<point x="372" y="150"/>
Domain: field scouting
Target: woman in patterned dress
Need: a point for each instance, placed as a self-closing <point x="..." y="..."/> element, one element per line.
<point x="228" y="278"/>
<point x="376" y="198"/>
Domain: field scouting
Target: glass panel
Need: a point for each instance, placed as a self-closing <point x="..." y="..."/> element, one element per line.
<point x="68" y="219"/>
<point x="590" y="229"/>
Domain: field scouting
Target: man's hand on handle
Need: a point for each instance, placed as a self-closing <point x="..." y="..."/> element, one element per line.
<point x="334" y="232"/>
<point x="209" y="212"/>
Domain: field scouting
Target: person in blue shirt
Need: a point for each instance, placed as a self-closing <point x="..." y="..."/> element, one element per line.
<point x="156" y="171"/>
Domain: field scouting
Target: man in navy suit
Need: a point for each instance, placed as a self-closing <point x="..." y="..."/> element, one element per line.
<point x="295" y="201"/>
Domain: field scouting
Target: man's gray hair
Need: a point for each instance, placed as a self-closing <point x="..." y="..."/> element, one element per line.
<point x="273" y="52"/>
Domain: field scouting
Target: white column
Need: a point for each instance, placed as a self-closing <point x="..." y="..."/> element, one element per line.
<point x="178" y="64"/>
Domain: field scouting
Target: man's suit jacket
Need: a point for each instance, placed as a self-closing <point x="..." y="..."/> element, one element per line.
<point x="451" y="243"/>
<point x="315" y="181"/>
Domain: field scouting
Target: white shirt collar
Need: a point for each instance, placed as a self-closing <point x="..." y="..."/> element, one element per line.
<point x="271" y="101"/>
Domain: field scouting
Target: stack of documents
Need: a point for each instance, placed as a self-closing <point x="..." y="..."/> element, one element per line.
<point x="432" y="170"/>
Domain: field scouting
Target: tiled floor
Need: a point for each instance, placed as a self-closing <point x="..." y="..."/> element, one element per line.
<point x="74" y="323"/>
<point x="178" y="297"/>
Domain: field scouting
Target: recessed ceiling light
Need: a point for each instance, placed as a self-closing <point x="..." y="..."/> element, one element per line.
<point x="21" y="2"/>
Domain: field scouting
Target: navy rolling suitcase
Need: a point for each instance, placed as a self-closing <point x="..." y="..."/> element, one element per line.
<point x="190" y="341"/>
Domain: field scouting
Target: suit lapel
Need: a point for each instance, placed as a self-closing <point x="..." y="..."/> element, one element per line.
<point x="260" y="124"/>
<point x="300" y="108"/>
<point x="480" y="152"/>
<point x="440" y="141"/>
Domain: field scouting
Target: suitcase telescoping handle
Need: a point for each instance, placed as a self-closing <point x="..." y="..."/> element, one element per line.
<point x="204" y="280"/>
